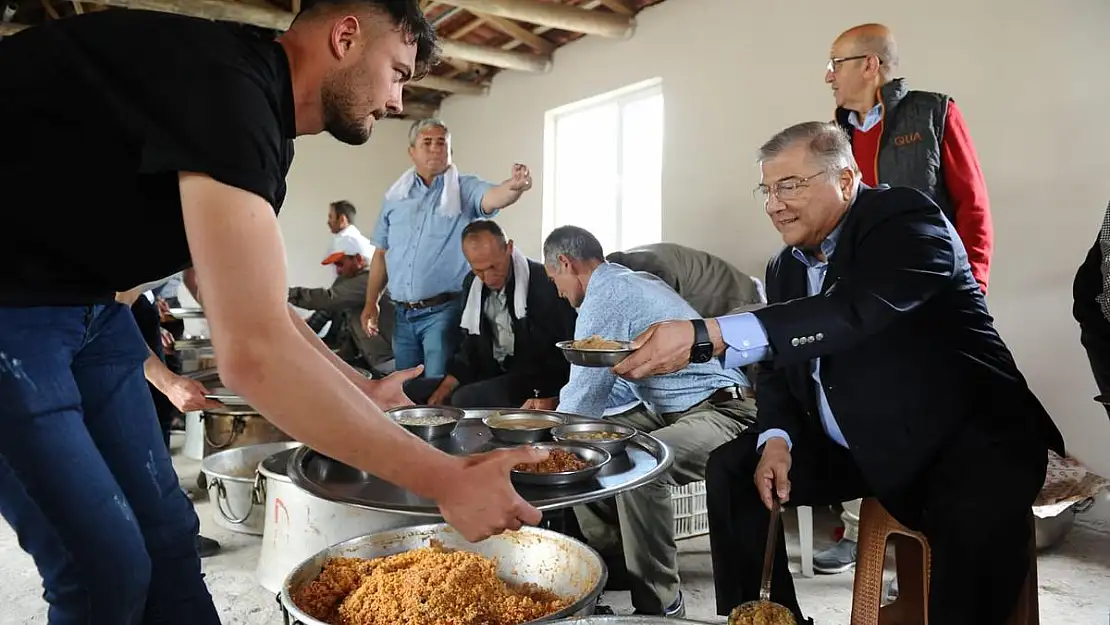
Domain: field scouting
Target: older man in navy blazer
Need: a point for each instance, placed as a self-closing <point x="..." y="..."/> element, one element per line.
<point x="886" y="378"/>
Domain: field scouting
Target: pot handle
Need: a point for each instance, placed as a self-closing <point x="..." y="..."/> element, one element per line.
<point x="258" y="494"/>
<point x="221" y="499"/>
<point x="238" y="426"/>
<point x="285" y="613"/>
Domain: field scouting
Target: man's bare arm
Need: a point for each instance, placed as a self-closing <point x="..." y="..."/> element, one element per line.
<point x="264" y="357"/>
<point x="314" y="339"/>
<point x="376" y="280"/>
<point x="189" y="279"/>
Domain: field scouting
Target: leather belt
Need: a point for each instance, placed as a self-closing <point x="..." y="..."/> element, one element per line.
<point x="731" y="393"/>
<point x="434" y="300"/>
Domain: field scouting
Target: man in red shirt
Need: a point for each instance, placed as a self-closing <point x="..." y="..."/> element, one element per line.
<point x="904" y="138"/>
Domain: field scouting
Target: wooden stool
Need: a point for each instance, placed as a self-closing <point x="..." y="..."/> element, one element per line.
<point x="912" y="566"/>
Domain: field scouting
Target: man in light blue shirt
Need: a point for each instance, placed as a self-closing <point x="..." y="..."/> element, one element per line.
<point x="693" y="411"/>
<point x="418" y="247"/>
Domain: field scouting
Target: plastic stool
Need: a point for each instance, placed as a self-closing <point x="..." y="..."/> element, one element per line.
<point x="912" y="563"/>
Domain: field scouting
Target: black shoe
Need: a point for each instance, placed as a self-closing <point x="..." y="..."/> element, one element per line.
<point x="836" y="559"/>
<point x="207" y="547"/>
<point x="677" y="609"/>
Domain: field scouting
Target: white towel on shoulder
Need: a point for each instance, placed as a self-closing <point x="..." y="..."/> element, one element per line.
<point x="472" y="312"/>
<point x="450" y="201"/>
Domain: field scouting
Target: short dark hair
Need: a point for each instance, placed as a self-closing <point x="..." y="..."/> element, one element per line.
<point x="343" y="208"/>
<point x="405" y="15"/>
<point x="485" y="225"/>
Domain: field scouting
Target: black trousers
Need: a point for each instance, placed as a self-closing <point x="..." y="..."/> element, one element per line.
<point x="1098" y="353"/>
<point x="503" y="391"/>
<point x="973" y="505"/>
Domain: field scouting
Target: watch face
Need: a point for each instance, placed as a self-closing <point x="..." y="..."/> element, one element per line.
<point x="701" y="353"/>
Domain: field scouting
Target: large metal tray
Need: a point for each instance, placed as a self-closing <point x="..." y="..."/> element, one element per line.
<point x="646" y="458"/>
<point x="216" y="390"/>
<point x="187" y="313"/>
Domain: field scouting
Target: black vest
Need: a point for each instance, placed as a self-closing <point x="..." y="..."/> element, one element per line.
<point x="911" y="133"/>
<point x="1085" y="291"/>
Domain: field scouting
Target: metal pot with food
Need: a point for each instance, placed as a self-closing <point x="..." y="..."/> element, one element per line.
<point x="429" y="575"/>
<point x="299" y="525"/>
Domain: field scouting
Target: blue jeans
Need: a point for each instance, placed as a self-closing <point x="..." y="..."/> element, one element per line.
<point x="85" y="478"/>
<point x="427" y="336"/>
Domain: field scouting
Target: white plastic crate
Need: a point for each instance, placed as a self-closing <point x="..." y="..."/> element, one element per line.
<point x="690" y="516"/>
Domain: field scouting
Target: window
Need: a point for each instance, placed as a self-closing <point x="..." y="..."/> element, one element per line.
<point x="603" y="158"/>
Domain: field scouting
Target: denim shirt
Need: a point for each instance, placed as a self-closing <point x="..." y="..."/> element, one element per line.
<point x="423" y="249"/>
<point x="619" y="305"/>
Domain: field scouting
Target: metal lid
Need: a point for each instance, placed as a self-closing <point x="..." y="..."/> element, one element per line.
<point x="192" y="342"/>
<point x="276" y="466"/>
<point x="187" y="313"/>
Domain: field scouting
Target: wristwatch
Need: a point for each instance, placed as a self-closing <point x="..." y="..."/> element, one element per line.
<point x="702" y="351"/>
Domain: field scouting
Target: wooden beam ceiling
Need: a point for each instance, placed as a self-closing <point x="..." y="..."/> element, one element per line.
<point x="505" y="59"/>
<point x="561" y="16"/>
<point x="450" y="85"/>
<point x="463" y="57"/>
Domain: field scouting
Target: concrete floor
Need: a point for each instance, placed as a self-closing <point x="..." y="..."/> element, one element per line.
<point x="1074" y="577"/>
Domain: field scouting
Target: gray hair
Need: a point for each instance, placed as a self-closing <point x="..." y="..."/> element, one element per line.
<point x="424" y="124"/>
<point x="826" y="142"/>
<point x="574" y="243"/>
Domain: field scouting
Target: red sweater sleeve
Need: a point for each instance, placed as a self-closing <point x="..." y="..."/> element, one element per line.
<point x="968" y="192"/>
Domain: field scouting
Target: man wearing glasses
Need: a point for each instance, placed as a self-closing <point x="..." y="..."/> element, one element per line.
<point x="872" y="308"/>
<point x="904" y="138"/>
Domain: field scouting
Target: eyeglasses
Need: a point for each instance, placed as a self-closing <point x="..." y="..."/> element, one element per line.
<point x="784" y="190"/>
<point x="834" y="63"/>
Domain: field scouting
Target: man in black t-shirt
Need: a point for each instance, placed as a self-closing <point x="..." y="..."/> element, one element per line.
<point x="181" y="130"/>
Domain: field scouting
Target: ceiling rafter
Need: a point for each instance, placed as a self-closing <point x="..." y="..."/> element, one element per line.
<point x="561" y="16"/>
<point x="477" y="37"/>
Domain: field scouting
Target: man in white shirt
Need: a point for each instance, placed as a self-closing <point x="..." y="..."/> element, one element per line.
<point x="341" y="218"/>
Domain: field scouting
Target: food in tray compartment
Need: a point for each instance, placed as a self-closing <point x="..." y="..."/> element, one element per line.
<point x="523" y="424"/>
<point x="426" y="586"/>
<point x="429" y="420"/>
<point x="596" y="343"/>
<point x="594" y="436"/>
<point x="558" y="461"/>
<point x="761" y="613"/>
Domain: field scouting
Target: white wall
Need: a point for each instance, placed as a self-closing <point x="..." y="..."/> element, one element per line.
<point x="324" y="171"/>
<point x="734" y="72"/>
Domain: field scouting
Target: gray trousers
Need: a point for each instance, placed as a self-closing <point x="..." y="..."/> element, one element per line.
<point x="640" y="523"/>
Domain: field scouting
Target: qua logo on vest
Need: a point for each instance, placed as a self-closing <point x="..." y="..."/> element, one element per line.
<point x="906" y="139"/>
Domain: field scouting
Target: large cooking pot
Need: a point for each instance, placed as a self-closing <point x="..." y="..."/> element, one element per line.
<point x="238" y="426"/>
<point x="233" y="486"/>
<point x="628" y="620"/>
<point x="549" y="559"/>
<point x="299" y="525"/>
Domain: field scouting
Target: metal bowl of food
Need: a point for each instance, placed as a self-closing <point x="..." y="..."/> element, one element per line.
<point x="567" y="463"/>
<point x="595" y="351"/>
<point x="607" y="435"/>
<point x="552" y="563"/>
<point x="427" y="422"/>
<point x="522" y="426"/>
<point x="629" y="619"/>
